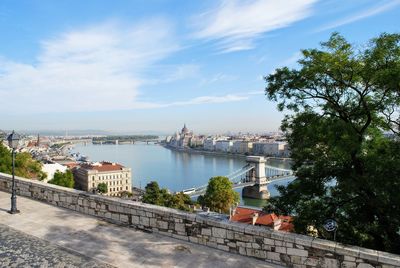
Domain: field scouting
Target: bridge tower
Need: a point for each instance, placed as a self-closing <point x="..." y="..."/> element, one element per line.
<point x="257" y="175"/>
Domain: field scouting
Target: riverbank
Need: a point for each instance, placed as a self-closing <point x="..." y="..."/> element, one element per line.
<point x="213" y="153"/>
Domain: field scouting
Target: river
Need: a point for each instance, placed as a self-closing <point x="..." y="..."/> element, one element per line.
<point x="172" y="169"/>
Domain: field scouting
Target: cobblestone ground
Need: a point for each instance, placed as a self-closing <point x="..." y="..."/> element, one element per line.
<point x="18" y="249"/>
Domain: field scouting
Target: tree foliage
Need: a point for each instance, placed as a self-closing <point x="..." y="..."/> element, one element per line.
<point x="161" y="197"/>
<point x="342" y="98"/>
<point x="63" y="179"/>
<point x="102" y="187"/>
<point x="219" y="195"/>
<point x="25" y="165"/>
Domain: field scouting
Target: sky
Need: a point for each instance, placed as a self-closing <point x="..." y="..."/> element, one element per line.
<point x="151" y="66"/>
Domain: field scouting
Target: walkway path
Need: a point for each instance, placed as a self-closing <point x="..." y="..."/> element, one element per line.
<point x="47" y="236"/>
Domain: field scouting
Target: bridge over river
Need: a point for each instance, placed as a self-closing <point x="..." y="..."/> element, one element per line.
<point x="253" y="178"/>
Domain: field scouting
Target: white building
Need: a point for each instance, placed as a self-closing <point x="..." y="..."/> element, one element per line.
<point x="242" y="147"/>
<point x="50" y="169"/>
<point x="268" y="148"/>
<point x="223" y="146"/>
<point x="209" y="144"/>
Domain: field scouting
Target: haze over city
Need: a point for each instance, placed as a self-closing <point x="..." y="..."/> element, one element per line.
<point x="130" y="66"/>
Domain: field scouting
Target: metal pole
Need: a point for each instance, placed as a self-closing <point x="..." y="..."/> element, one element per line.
<point x="14" y="209"/>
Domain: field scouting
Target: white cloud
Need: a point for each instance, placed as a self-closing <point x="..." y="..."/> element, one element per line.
<point x="375" y="10"/>
<point x="235" y="24"/>
<point x="97" y="68"/>
<point x="199" y="100"/>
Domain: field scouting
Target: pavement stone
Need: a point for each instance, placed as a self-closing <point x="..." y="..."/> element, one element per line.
<point x="18" y="249"/>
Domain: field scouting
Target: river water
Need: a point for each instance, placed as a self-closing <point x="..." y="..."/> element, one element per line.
<point x="172" y="169"/>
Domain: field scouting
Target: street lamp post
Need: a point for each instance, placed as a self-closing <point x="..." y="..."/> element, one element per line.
<point x="13" y="141"/>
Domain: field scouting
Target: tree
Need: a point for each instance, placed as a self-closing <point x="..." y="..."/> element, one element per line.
<point x="153" y="194"/>
<point x="63" y="179"/>
<point x="341" y="99"/>
<point x="161" y="197"/>
<point x="25" y="165"/>
<point x="219" y="195"/>
<point x="102" y="187"/>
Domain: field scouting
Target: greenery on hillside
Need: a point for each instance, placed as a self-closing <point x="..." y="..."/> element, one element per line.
<point x="161" y="197"/>
<point x="341" y="99"/>
<point x="219" y="195"/>
<point x="65" y="179"/>
<point x="25" y="165"/>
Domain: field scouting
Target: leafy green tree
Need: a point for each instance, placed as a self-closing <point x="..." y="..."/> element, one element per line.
<point x="63" y="179"/>
<point x="161" y="197"/>
<point x="153" y="194"/>
<point x="341" y="99"/>
<point x="219" y="195"/>
<point x="25" y="165"/>
<point x="102" y="187"/>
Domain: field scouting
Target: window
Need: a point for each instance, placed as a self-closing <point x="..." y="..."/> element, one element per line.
<point x="127" y="188"/>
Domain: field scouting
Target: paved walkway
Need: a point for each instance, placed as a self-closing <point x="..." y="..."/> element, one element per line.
<point x="47" y="236"/>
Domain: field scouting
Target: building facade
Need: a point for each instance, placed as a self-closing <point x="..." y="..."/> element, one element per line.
<point x="242" y="147"/>
<point x="115" y="176"/>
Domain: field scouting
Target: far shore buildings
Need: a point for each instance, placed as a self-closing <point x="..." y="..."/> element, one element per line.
<point x="185" y="139"/>
<point x="248" y="144"/>
<point x="115" y="176"/>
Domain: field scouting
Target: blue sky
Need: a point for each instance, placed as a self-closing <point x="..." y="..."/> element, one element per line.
<point x="152" y="65"/>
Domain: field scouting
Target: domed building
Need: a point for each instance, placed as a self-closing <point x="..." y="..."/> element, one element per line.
<point x="184" y="139"/>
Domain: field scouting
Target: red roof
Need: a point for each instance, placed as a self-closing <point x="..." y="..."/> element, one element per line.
<point x="104" y="166"/>
<point x="245" y="215"/>
<point x="71" y="165"/>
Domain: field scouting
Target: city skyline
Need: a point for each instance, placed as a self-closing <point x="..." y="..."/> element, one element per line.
<point x="130" y="67"/>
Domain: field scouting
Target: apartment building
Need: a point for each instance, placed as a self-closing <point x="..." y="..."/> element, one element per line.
<point x="115" y="176"/>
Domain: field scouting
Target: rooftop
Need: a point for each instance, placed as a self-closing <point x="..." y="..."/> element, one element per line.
<point x="43" y="235"/>
<point x="103" y="166"/>
<point x="245" y="215"/>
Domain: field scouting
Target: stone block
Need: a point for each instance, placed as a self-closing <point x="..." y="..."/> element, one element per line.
<point x="162" y="224"/>
<point x="243" y="237"/>
<point x="180" y="227"/>
<point x="124" y="218"/>
<point x="273" y="256"/>
<point x="280" y="250"/>
<point x="242" y="251"/>
<point x="135" y="220"/>
<point x="230" y="234"/>
<point x="144" y="221"/>
<point x="295" y="260"/>
<point x="297" y="252"/>
<point x="364" y="265"/>
<point x="223" y="247"/>
<point x="313" y="262"/>
<point x="219" y="232"/>
<point x="206" y="231"/>
<point x="268" y="241"/>
<point x="330" y="263"/>
<point x="231" y="244"/>
<point x="115" y="216"/>
<point x="348" y="264"/>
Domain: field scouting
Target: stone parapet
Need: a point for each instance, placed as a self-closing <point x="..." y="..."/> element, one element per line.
<point x="288" y="249"/>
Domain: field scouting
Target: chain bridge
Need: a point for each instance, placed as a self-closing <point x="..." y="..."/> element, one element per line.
<point x="253" y="178"/>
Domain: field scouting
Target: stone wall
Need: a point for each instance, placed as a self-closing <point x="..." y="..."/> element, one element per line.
<point x="282" y="248"/>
